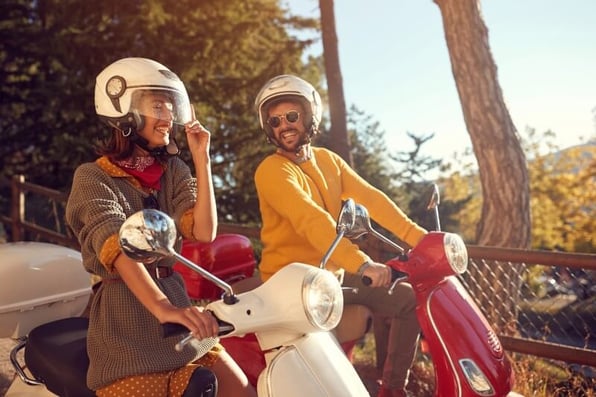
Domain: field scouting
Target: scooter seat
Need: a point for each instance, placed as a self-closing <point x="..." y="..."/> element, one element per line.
<point x="56" y="354"/>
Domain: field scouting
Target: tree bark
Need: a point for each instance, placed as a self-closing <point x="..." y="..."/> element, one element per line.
<point x="340" y="141"/>
<point x="505" y="217"/>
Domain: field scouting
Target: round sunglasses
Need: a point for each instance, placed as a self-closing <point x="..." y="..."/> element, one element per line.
<point x="291" y="117"/>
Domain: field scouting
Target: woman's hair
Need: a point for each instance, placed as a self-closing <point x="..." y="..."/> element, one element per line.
<point x="115" y="146"/>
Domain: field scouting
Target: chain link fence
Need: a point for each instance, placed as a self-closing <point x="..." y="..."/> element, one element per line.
<point x="555" y="305"/>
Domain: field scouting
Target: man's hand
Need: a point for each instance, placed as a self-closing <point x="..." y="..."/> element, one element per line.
<point x="379" y="274"/>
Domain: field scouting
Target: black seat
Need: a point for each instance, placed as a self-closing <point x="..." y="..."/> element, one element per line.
<point x="56" y="354"/>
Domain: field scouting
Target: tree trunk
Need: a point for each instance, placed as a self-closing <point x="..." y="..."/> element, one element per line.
<point x="505" y="217"/>
<point x="340" y="141"/>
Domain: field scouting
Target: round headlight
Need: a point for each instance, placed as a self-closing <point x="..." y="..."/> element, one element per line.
<point x="456" y="252"/>
<point x="322" y="298"/>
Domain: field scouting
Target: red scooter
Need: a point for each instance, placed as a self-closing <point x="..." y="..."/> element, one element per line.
<point x="468" y="357"/>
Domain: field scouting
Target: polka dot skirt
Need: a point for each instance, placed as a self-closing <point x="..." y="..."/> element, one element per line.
<point x="159" y="384"/>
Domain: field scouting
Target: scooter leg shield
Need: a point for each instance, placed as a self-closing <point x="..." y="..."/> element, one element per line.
<point x="313" y="366"/>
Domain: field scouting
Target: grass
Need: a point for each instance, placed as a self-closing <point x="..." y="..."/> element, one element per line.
<point x="534" y="377"/>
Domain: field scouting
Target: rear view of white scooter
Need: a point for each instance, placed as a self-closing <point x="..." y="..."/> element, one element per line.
<point x="291" y="315"/>
<point x="44" y="291"/>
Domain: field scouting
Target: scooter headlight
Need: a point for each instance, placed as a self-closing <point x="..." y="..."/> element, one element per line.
<point x="456" y="252"/>
<point x="323" y="299"/>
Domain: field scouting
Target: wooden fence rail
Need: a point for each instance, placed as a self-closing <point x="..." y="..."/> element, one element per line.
<point x="19" y="226"/>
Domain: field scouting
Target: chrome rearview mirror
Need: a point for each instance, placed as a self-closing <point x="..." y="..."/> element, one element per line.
<point x="361" y="225"/>
<point x="347" y="216"/>
<point x="433" y="205"/>
<point x="353" y="222"/>
<point x="435" y="197"/>
<point x="150" y="234"/>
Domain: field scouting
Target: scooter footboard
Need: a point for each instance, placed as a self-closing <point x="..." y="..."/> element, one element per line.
<point x="313" y="366"/>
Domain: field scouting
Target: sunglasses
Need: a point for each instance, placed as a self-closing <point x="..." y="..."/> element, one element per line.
<point x="291" y="117"/>
<point x="150" y="202"/>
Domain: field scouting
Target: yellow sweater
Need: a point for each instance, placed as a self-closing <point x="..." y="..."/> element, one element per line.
<point x="299" y="206"/>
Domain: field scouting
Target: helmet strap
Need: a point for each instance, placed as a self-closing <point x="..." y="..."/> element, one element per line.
<point x="171" y="149"/>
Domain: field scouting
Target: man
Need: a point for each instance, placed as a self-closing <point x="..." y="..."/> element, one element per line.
<point x="300" y="190"/>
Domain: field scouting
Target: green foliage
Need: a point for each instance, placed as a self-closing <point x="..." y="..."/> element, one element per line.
<point x="562" y="194"/>
<point x="223" y="50"/>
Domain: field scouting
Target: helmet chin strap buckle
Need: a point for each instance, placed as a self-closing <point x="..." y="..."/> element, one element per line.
<point x="171" y="149"/>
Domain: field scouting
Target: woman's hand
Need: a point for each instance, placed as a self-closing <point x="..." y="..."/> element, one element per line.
<point x="199" y="321"/>
<point x="197" y="136"/>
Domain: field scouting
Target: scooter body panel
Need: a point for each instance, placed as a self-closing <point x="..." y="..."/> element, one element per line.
<point x="313" y="366"/>
<point x="459" y="337"/>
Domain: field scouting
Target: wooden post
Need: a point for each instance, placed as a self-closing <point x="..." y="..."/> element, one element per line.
<point x="18" y="207"/>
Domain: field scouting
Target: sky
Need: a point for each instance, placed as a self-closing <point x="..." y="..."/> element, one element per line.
<point x="395" y="67"/>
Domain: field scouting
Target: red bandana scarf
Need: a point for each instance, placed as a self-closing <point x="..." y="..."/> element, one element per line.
<point x="150" y="176"/>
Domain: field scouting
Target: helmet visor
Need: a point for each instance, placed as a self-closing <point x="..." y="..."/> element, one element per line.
<point x="168" y="105"/>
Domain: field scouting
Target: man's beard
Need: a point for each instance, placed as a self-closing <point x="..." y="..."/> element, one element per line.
<point x="303" y="139"/>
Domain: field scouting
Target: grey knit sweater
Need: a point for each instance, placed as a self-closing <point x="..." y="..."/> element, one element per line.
<point x="124" y="338"/>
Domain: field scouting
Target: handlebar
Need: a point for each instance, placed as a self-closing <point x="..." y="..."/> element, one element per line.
<point x="396" y="275"/>
<point x="173" y="329"/>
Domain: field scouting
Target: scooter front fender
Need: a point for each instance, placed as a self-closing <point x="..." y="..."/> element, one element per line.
<point x="465" y="350"/>
<point x="313" y="366"/>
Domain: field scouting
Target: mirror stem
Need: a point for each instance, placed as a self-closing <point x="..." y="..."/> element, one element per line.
<point x="387" y="241"/>
<point x="339" y="236"/>
<point x="228" y="298"/>
<point x="437" y="219"/>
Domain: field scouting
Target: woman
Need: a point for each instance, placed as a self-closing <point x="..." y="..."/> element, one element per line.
<point x="145" y="104"/>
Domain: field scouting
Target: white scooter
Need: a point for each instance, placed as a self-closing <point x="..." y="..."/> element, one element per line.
<point x="291" y="315"/>
<point x="45" y="290"/>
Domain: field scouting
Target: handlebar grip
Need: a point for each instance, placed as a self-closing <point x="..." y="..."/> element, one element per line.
<point x="395" y="274"/>
<point x="172" y="329"/>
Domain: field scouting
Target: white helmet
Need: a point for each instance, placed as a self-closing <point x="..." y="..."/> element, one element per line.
<point x="116" y="85"/>
<point x="287" y="85"/>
